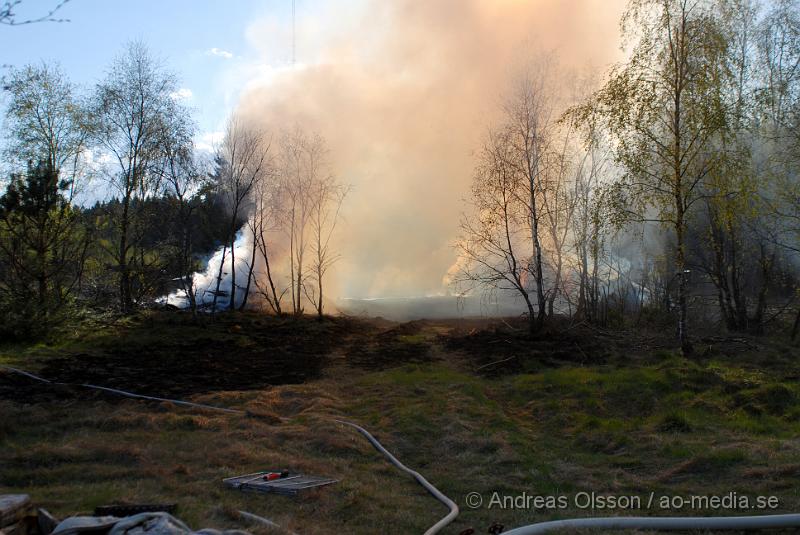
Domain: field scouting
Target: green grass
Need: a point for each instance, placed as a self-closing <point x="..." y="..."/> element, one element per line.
<point x="660" y="424"/>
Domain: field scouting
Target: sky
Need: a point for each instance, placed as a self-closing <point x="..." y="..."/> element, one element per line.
<point x="402" y="90"/>
<point x="205" y="42"/>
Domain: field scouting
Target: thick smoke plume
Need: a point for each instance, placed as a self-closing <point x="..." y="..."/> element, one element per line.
<point x="403" y="91"/>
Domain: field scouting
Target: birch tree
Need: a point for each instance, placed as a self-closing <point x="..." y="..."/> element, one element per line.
<point x="665" y="111"/>
<point x="136" y="116"/>
<point x="327" y="196"/>
<point x="242" y="160"/>
<point x="529" y="114"/>
<point x="183" y="184"/>
<point x="495" y="242"/>
<point x="46" y="121"/>
<point x="265" y="220"/>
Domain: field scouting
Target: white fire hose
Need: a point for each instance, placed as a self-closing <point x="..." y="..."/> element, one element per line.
<point x="416" y="475"/>
<point x="663" y="523"/>
<point x="630" y="522"/>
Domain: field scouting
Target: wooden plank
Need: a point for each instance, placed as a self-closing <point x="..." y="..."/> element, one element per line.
<point x="13" y="508"/>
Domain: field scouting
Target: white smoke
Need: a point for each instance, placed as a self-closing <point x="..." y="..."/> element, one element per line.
<point x="205" y="282"/>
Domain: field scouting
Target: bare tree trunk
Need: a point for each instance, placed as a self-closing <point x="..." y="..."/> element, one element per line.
<point x="291" y="263"/>
<point x="557" y="283"/>
<point x="299" y="257"/>
<point x="580" y="312"/>
<point x="537" y="247"/>
<point x="275" y="301"/>
<point x="319" y="298"/>
<point x="766" y="264"/>
<point x="595" y="281"/>
<point x="244" y="159"/>
<point x="320" y="258"/>
<point x="41" y="253"/>
<point x="732" y="273"/>
<point x="124" y="274"/>
<point x="219" y="278"/>
<point x="680" y="216"/>
<point x="186" y="270"/>
<point x="249" y="272"/>
<point x="232" y="302"/>
<point x="720" y="270"/>
<point x="683" y="331"/>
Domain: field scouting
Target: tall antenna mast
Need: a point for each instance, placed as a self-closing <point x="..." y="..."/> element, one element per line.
<point x="294" y="41"/>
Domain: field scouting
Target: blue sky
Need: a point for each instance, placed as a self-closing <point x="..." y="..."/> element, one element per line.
<point x="211" y="45"/>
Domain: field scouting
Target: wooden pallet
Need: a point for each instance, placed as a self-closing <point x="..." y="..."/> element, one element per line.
<point x="291" y="485"/>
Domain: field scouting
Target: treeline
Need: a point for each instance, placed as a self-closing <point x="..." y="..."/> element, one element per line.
<point x="109" y="206"/>
<point x="128" y="140"/>
<point x="669" y="189"/>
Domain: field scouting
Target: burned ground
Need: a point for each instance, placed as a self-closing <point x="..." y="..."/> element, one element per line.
<point x="170" y="354"/>
<point x="501" y="347"/>
<point x="391" y="346"/>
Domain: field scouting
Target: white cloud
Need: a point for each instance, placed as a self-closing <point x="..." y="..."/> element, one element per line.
<point x="184" y="93"/>
<point x="208" y="141"/>
<point x="219" y="53"/>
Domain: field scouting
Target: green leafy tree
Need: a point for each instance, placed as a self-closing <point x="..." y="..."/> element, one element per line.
<point x="43" y="247"/>
<point x="45" y="120"/>
<point x="666" y="112"/>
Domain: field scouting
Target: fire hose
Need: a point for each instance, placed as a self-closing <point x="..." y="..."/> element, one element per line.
<point x="644" y="523"/>
<point x="663" y="523"/>
<point x="416" y="475"/>
<point x="433" y="530"/>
